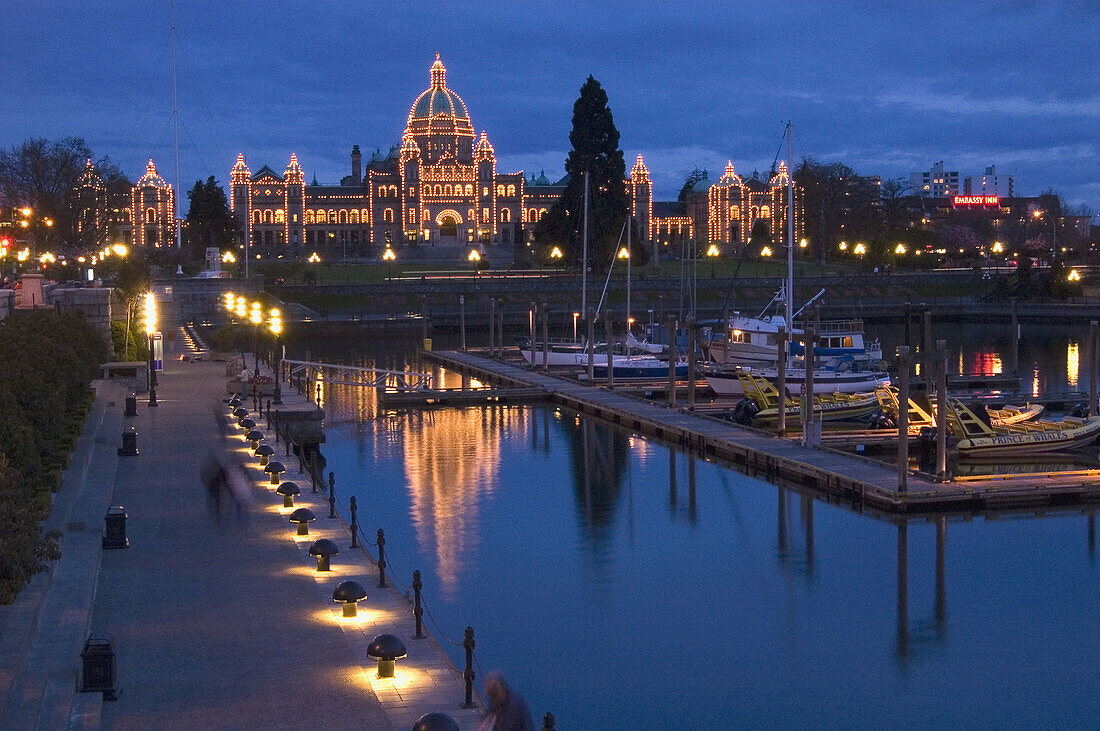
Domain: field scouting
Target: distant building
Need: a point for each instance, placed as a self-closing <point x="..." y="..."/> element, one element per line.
<point x="989" y="183"/>
<point x="936" y="183"/>
<point x="725" y="212"/>
<point x="152" y="211"/>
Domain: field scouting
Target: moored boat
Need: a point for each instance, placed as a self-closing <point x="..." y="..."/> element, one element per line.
<point x="726" y="382"/>
<point x="979" y="439"/>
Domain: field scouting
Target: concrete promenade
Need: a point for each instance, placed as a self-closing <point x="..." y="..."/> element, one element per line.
<point x="218" y="622"/>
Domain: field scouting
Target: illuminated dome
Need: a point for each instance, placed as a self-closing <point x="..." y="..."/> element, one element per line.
<point x="151" y="179"/>
<point x="438" y="100"/>
<point x="439" y="121"/>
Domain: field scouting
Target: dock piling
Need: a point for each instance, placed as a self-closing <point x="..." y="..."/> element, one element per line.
<point x="418" y="610"/>
<point x="590" y="316"/>
<point x="545" y="336"/>
<point x="468" y="672"/>
<point x="692" y="336"/>
<point x="926" y="353"/>
<point x="672" y="324"/>
<point x="531" y="320"/>
<point x="353" y="508"/>
<point x="610" y="362"/>
<point x="492" y="327"/>
<point x="781" y="378"/>
<point x="941" y="409"/>
<point x="1091" y="360"/>
<point x="903" y="418"/>
<point x="462" y="322"/>
<point x="1015" y="341"/>
<point x="810" y="435"/>
<point x="381" y="542"/>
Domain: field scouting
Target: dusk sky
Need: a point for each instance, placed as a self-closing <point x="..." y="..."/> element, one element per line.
<point x="884" y="89"/>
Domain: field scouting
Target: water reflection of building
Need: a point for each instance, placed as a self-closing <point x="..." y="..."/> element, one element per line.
<point x="599" y="455"/>
<point x="451" y="459"/>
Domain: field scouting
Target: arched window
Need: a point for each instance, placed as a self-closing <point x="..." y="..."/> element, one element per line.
<point x="765" y="211"/>
<point x="438" y="190"/>
<point x="393" y="190"/>
<point x="269" y="217"/>
<point x="511" y="190"/>
<point x="309" y="217"/>
<point x="332" y="216"/>
<point x="469" y="189"/>
<point x="542" y="212"/>
<point x="381" y="191"/>
<point x="412" y="215"/>
<point x="500" y="190"/>
<point x="424" y="216"/>
<point x="150" y="215"/>
<point x="353" y="216"/>
<point x="280" y="216"/>
<point x="447" y="189"/>
<point x="505" y="215"/>
<point x="735" y="212"/>
<point x="470" y="214"/>
<point x="387" y="215"/>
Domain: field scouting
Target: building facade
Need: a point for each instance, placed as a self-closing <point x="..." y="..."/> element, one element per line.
<point x="935" y="183"/>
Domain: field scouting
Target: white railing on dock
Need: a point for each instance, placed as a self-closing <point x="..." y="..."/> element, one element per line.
<point x="356" y="375"/>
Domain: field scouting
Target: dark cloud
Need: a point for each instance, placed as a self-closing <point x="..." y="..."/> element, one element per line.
<point x="886" y="88"/>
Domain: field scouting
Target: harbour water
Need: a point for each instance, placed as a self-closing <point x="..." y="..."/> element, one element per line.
<point x="619" y="583"/>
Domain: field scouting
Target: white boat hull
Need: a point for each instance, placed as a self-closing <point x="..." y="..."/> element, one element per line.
<point x="824" y="382"/>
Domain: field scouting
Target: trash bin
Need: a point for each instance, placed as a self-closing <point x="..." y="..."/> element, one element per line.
<point x="114" y="534"/>
<point x="131" y="405"/>
<point x="98" y="667"/>
<point x="427" y="344"/>
<point x="129" y="443"/>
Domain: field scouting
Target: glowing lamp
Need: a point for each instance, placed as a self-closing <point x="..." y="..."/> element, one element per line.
<point x="228" y="258"/>
<point x="1073" y="276"/>
<point x="150" y="314"/>
<point x="47" y="258"/>
<point x="288" y="490"/>
<point x="23" y="255"/>
<point x="899" y="249"/>
<point x="555" y="253"/>
<point x="349" y="593"/>
<point x="473" y="255"/>
<point x="254" y="437"/>
<point x="387" y="649"/>
<point x="241" y="312"/>
<point x="274" y="469"/>
<point x="264" y="452"/>
<point x="314" y="258"/>
<point x="843" y="245"/>
<point x="302" y="517"/>
<point x="229" y="301"/>
<point x="713" y="250"/>
<point x="997" y="247"/>
<point x="120" y="249"/>
<point x="26" y="211"/>
<point x="766" y="251"/>
<point x="623" y="253"/>
<point x="388" y="254"/>
<point x="323" y="549"/>
<point x="860" y="249"/>
<point x="275" y="321"/>
<point x="803" y="244"/>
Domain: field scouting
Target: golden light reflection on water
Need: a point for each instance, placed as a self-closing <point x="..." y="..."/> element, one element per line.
<point x="1073" y="363"/>
<point x="1035" y="382"/>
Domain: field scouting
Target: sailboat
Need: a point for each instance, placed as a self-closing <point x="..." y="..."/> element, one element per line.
<point x="754" y="342"/>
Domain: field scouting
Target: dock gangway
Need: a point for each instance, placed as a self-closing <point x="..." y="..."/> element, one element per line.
<point x="335" y="373"/>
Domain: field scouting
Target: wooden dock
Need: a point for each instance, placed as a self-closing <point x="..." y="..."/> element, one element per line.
<point x="837" y="476"/>
<point x="460" y="397"/>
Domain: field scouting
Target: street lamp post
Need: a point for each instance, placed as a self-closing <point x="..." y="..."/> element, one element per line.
<point x="256" y="317"/>
<point x="275" y="323"/>
<point x="150" y="328"/>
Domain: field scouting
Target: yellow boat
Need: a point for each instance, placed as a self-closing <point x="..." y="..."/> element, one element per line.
<point x="979" y="439"/>
<point x="1009" y="414"/>
<point x="761" y="404"/>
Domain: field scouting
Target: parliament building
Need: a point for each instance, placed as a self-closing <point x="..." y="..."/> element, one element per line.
<point x="440" y="189"/>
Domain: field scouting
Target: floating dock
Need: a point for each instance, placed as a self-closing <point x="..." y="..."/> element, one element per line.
<point x="838" y="476"/>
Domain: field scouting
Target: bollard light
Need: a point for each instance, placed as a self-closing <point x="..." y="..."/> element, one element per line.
<point x="348" y="593"/>
<point x="234" y="401"/>
<point x="435" y="722"/>
<point x="254" y="437"/>
<point x="323" y="549"/>
<point x="275" y="469"/>
<point x="387" y="649"/>
<point x="264" y="452"/>
<point x="240" y="412"/>
<point x="289" y="490"/>
<point x="302" y="517"/>
<point x="246" y="423"/>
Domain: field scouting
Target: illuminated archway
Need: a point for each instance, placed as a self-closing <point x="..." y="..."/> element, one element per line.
<point x="448" y="222"/>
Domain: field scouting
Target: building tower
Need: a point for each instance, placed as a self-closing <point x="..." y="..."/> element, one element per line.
<point x="152" y="210"/>
<point x="240" y="177"/>
<point x="90" y="209"/>
<point x="486" y="177"/>
<point x="641" y="202"/>
<point x="295" y="183"/>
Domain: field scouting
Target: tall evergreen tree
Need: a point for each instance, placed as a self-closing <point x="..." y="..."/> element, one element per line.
<point x="595" y="142"/>
<point x="209" y="220"/>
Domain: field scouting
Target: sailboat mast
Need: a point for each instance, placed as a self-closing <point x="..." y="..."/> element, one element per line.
<point x="629" y="225"/>
<point x="790" y="225"/>
<point x="584" y="255"/>
<point x="175" y="123"/>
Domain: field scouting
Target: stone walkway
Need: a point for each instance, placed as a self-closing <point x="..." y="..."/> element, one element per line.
<point x="218" y="621"/>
